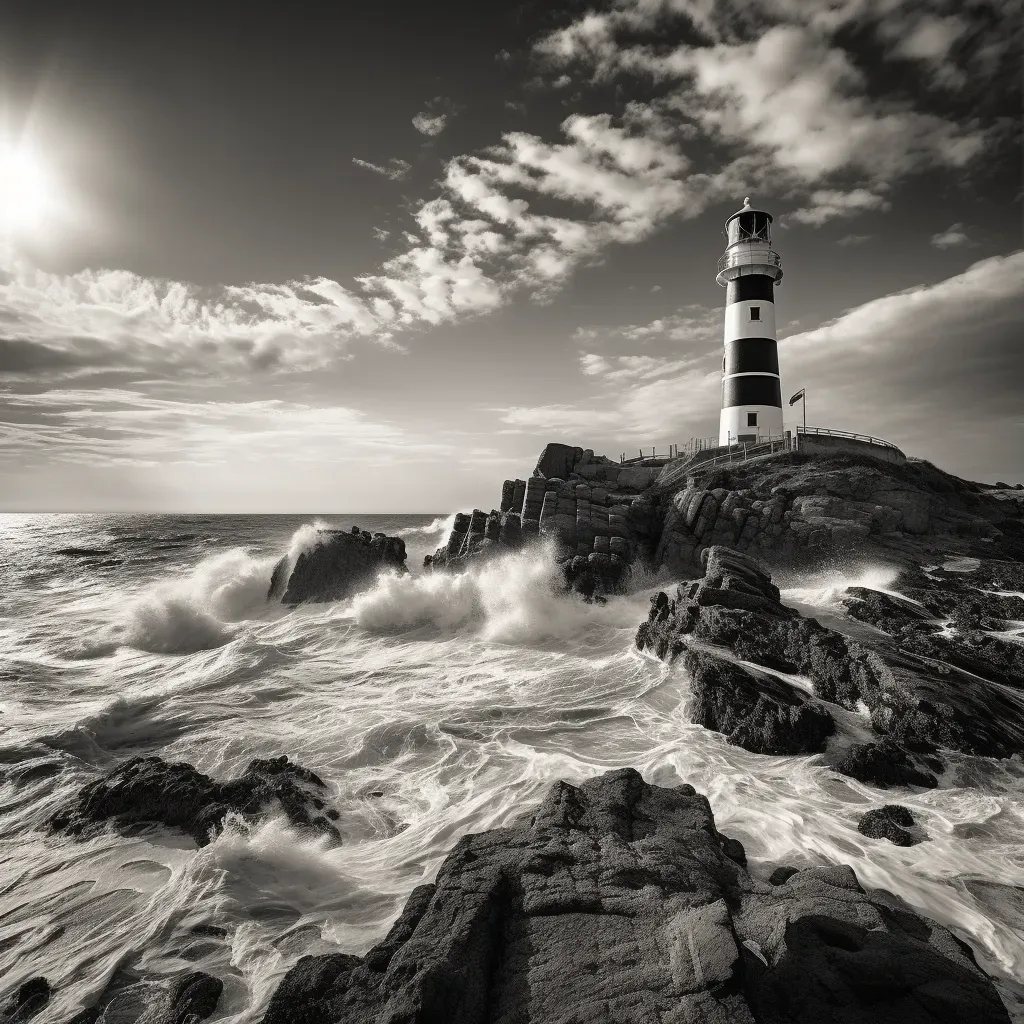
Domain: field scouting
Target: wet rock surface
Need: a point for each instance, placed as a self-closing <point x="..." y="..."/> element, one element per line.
<point x="916" y="685"/>
<point x="29" y="1000"/>
<point x="617" y="901"/>
<point x="151" y="791"/>
<point x="892" y="822"/>
<point x="187" y="999"/>
<point x="338" y="565"/>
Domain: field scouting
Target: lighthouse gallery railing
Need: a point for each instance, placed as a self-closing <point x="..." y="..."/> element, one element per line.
<point x="749" y="257"/>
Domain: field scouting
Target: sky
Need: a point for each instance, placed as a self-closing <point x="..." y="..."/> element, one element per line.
<point x="263" y="258"/>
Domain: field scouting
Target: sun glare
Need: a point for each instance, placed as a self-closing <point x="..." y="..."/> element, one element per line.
<point x="27" y="194"/>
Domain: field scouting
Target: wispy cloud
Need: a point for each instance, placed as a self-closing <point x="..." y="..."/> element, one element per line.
<point x="953" y="236"/>
<point x="830" y="204"/>
<point x="395" y="169"/>
<point x="108" y="426"/>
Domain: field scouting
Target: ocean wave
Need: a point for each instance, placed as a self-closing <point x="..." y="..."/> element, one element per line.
<point x="203" y="610"/>
<point x="513" y="598"/>
<point x="440" y="527"/>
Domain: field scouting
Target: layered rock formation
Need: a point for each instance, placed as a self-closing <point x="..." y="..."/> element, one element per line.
<point x="587" y="512"/>
<point x="789" y="509"/>
<point x="336" y="566"/>
<point x="617" y="902"/>
<point x="151" y="791"/>
<point x="917" y="704"/>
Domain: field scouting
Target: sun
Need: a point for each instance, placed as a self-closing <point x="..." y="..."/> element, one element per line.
<point x="27" y="193"/>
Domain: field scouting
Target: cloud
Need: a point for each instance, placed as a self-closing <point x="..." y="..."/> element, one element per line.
<point x="434" y="118"/>
<point x="854" y="239"/>
<point x="394" y="169"/>
<point x="829" y="204"/>
<point x="109" y="426"/>
<point x="933" y="369"/>
<point x="695" y="324"/>
<point x="116" y="319"/>
<point x="613" y="369"/>
<point x="777" y="79"/>
<point x="953" y="236"/>
<point x="430" y="124"/>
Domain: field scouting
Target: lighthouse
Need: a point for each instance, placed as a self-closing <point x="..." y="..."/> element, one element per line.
<point x="751" y="389"/>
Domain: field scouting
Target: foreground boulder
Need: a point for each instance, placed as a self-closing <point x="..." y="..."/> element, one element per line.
<point x="617" y="902"/>
<point x="152" y="791"/>
<point x="917" y="703"/>
<point x="337" y="566"/>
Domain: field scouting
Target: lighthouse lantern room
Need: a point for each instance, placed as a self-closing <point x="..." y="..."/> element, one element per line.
<point x="751" y="388"/>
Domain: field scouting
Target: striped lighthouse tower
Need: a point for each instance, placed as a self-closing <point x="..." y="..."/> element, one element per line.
<point x="751" y="388"/>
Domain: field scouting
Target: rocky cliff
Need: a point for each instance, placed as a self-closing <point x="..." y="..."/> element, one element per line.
<point x="789" y="510"/>
<point x="618" y="902"/>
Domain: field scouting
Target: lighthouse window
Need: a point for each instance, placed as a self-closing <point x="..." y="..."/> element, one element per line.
<point x="751" y="419"/>
<point x="755" y="312"/>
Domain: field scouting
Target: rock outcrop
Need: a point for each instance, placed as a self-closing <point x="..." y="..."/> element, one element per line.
<point x="619" y="901"/>
<point x="151" y="791"/>
<point x="917" y="704"/>
<point x="336" y="566"/>
<point x="789" y="510"/>
<point x="891" y="822"/>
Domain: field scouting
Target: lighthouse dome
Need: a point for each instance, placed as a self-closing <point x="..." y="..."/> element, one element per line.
<point x="749" y="224"/>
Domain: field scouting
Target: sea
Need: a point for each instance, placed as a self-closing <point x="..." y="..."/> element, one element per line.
<point x="432" y="704"/>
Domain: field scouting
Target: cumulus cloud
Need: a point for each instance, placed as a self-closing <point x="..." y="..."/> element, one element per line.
<point x="394" y="169"/>
<point x="777" y="78"/>
<point x="954" y="235"/>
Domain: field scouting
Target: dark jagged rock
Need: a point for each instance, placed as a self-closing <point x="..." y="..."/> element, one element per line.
<point x="619" y="901"/>
<point x="781" y="875"/>
<point x="884" y="764"/>
<point x="336" y="566"/>
<point x="150" y="790"/>
<point x="892" y="822"/>
<point x="31" y="997"/>
<point x="920" y="703"/>
<point x="754" y="709"/>
<point x="184" y="1000"/>
<point x="886" y="612"/>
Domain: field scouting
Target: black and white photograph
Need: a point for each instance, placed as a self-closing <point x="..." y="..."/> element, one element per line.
<point x="512" y="512"/>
